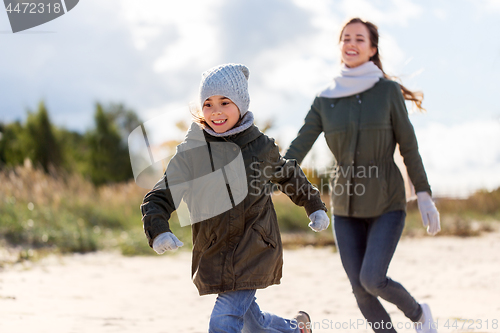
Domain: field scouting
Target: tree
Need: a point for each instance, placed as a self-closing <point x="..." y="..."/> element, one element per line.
<point x="74" y="149"/>
<point x="42" y="147"/>
<point x="13" y="144"/>
<point x="125" y="119"/>
<point x="100" y="154"/>
<point x="108" y="153"/>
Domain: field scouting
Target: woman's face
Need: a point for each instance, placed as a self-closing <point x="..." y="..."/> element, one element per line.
<point x="220" y="113"/>
<point x="355" y="45"/>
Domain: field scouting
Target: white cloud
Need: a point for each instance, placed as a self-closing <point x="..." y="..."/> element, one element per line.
<point x="461" y="158"/>
<point x="489" y="5"/>
<point x="189" y="24"/>
<point x="393" y="57"/>
<point x="291" y="73"/>
<point x="440" y="13"/>
<point x="291" y="48"/>
<point x="176" y="111"/>
<point x="398" y="12"/>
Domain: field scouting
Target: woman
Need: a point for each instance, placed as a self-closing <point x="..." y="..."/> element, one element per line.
<point x="363" y="115"/>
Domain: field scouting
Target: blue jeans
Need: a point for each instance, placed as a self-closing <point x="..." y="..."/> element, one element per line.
<point x="366" y="247"/>
<point x="237" y="311"/>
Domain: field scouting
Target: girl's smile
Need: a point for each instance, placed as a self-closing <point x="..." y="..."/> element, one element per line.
<point x="220" y="113"/>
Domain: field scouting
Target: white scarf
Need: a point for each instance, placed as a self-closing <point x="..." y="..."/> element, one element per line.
<point x="353" y="80"/>
<point x="246" y="122"/>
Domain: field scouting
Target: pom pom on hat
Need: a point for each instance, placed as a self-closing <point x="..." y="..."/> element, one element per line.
<point x="228" y="80"/>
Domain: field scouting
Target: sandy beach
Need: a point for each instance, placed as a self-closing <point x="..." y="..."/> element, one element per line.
<point x="106" y="292"/>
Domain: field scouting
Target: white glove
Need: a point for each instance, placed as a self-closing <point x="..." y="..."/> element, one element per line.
<point x="319" y="220"/>
<point x="429" y="213"/>
<point x="166" y="241"/>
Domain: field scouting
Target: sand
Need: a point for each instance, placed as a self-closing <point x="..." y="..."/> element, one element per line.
<point x="106" y="292"/>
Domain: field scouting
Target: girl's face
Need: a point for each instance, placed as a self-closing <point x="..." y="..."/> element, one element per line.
<point x="355" y="45"/>
<point x="220" y="113"/>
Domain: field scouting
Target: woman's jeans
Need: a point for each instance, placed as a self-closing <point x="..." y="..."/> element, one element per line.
<point x="237" y="311"/>
<point x="366" y="247"/>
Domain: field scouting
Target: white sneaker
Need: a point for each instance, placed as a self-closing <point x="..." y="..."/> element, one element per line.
<point x="426" y="323"/>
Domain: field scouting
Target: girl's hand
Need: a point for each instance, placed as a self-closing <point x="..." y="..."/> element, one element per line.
<point x="429" y="213"/>
<point x="319" y="220"/>
<point x="166" y="241"/>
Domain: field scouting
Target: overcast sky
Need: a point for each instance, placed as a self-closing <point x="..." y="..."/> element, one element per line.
<point x="150" y="55"/>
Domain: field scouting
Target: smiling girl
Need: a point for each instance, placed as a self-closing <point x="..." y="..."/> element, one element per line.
<point x="238" y="250"/>
<point x="220" y="113"/>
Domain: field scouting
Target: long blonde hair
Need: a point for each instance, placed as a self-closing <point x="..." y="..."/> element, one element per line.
<point x="416" y="97"/>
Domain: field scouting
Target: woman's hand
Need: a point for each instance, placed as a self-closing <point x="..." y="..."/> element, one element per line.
<point x="429" y="213"/>
<point x="166" y="241"/>
<point x="319" y="220"/>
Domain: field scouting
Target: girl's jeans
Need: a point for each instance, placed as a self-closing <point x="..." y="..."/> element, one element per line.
<point x="237" y="311"/>
<point x="366" y="247"/>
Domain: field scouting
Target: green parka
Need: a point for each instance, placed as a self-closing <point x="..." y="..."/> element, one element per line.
<point x="362" y="131"/>
<point x="240" y="248"/>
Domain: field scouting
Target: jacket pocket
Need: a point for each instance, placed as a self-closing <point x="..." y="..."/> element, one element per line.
<point x="211" y="243"/>
<point x="268" y="240"/>
<point x="208" y="271"/>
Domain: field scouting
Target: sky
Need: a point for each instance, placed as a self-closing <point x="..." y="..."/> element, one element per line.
<point x="150" y="54"/>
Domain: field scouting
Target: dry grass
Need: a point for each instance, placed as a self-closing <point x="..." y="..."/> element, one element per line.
<point x="42" y="213"/>
<point x="66" y="213"/>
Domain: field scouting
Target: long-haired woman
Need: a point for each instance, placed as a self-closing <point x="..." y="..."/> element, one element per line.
<point x="363" y="115"/>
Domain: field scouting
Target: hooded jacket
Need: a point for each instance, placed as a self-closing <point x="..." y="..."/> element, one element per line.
<point x="239" y="248"/>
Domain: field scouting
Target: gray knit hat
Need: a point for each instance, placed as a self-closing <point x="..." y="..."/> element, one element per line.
<point x="228" y="80"/>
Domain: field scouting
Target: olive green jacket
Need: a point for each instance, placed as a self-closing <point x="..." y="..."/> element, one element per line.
<point x="362" y="131"/>
<point x="240" y="248"/>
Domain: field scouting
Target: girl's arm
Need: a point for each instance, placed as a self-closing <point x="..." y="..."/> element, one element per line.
<point x="158" y="204"/>
<point x="157" y="207"/>
<point x="307" y="135"/>
<point x="405" y="136"/>
<point x="293" y="182"/>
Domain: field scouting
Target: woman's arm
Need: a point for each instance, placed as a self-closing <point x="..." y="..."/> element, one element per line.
<point x="307" y="135"/>
<point x="405" y="136"/>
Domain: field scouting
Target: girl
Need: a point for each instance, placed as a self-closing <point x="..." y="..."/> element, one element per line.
<point x="363" y="115"/>
<point x="236" y="241"/>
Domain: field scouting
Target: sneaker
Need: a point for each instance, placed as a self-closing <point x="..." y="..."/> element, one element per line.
<point x="303" y="322"/>
<point x="425" y="324"/>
